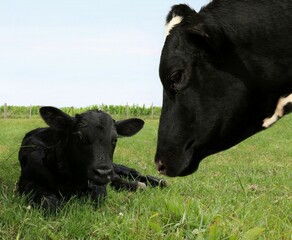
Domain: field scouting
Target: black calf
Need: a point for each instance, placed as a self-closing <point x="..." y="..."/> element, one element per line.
<point x="73" y="156"/>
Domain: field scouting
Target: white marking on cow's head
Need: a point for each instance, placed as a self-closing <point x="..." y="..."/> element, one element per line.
<point x="172" y="23"/>
<point x="279" y="112"/>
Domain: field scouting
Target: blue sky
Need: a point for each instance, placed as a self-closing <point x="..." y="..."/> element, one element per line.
<point x="81" y="53"/>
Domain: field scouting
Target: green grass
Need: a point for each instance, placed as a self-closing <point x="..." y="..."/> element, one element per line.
<point x="242" y="193"/>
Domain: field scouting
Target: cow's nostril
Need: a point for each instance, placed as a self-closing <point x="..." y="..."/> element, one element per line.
<point x="161" y="167"/>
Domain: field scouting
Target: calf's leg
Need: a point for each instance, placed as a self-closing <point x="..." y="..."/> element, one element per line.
<point x="38" y="194"/>
<point x="119" y="183"/>
<point x="130" y="173"/>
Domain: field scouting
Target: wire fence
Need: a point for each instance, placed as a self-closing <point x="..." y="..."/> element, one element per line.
<point x="152" y="112"/>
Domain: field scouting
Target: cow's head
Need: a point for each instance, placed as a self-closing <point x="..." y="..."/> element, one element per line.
<point x="88" y="141"/>
<point x="207" y="106"/>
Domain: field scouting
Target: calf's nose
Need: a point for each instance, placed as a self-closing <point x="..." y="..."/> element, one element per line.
<point x="104" y="172"/>
<point x="102" y="175"/>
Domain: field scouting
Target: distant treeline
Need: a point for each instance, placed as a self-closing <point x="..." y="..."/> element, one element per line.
<point x="7" y="111"/>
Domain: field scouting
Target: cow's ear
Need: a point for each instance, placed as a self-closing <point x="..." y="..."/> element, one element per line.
<point x="129" y="127"/>
<point x="56" y="118"/>
<point x="180" y="10"/>
<point x="199" y="30"/>
<point x="209" y="38"/>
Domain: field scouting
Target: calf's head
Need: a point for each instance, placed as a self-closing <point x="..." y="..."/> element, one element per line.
<point x="207" y="106"/>
<point x="88" y="141"/>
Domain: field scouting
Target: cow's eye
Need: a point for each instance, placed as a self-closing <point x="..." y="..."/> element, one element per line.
<point x="114" y="141"/>
<point x="82" y="125"/>
<point x="175" y="78"/>
<point x="79" y="135"/>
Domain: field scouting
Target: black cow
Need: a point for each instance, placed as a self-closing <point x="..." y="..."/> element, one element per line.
<point x="73" y="156"/>
<point x="224" y="71"/>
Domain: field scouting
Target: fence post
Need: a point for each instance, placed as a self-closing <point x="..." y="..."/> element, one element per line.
<point x="5" y="114"/>
<point x="30" y="109"/>
<point x="127" y="110"/>
<point x="152" y="111"/>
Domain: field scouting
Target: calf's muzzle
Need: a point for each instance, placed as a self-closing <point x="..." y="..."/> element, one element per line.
<point x="101" y="175"/>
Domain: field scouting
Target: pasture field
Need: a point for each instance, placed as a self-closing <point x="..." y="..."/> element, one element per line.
<point x="242" y="193"/>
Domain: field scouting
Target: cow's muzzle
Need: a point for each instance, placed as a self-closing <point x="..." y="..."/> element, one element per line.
<point x="172" y="163"/>
<point x="174" y="170"/>
<point x="164" y="168"/>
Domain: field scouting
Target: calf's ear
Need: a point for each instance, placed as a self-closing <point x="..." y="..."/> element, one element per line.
<point x="56" y="118"/>
<point x="129" y="127"/>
